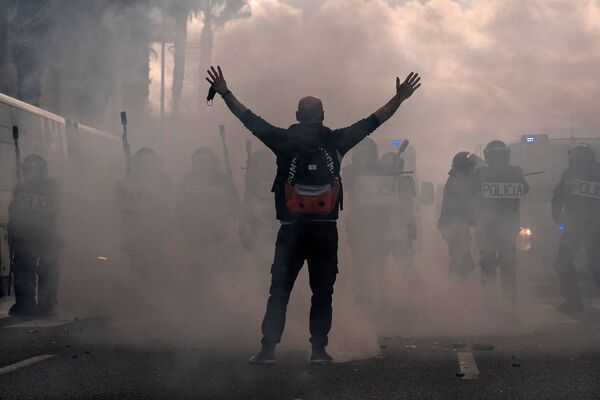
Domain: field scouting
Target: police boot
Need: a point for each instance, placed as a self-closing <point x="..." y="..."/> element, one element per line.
<point x="572" y="304"/>
<point x="22" y="309"/>
<point x="266" y="356"/>
<point x="319" y="356"/>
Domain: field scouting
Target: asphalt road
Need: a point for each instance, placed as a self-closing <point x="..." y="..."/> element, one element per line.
<point x="556" y="357"/>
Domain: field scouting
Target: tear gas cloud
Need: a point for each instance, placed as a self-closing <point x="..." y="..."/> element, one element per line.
<point x="491" y="69"/>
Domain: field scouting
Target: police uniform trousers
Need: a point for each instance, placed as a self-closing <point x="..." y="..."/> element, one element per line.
<point x="367" y="259"/>
<point x="572" y="239"/>
<point x="315" y="242"/>
<point x="498" y="249"/>
<point x="31" y="261"/>
<point x="459" y="240"/>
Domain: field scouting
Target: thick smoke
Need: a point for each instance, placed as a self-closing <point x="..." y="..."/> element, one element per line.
<point x="490" y="70"/>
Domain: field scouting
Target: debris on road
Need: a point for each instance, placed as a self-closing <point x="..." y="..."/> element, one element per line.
<point x="483" y="347"/>
<point x="515" y="362"/>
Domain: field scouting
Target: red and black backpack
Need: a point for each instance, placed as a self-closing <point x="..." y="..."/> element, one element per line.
<point x="313" y="184"/>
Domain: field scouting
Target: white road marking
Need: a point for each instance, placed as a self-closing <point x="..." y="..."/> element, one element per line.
<point x="25" y="363"/>
<point x="39" y="323"/>
<point x="467" y="365"/>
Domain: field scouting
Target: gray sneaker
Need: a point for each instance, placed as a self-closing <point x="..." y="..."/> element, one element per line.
<point x="266" y="356"/>
<point x="319" y="356"/>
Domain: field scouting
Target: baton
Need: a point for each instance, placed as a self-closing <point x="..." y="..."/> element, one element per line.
<point x="11" y="255"/>
<point x="403" y="147"/>
<point x="534" y="173"/>
<point x="126" y="148"/>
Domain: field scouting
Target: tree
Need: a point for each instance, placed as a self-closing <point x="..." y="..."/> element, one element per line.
<point x="27" y="41"/>
<point x="215" y="14"/>
<point x="6" y="15"/>
<point x="180" y="11"/>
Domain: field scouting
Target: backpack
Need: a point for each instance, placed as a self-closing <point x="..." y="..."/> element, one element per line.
<point x="313" y="185"/>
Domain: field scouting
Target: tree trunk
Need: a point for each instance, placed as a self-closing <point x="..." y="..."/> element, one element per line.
<point x="7" y="8"/>
<point x="3" y="48"/>
<point x="206" y="49"/>
<point x="179" y="60"/>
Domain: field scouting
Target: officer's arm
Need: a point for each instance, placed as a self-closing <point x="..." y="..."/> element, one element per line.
<point x="446" y="199"/>
<point x="558" y="200"/>
<point x="474" y="191"/>
<point x="522" y="180"/>
<point x="525" y="186"/>
<point x="413" y="188"/>
<point x="403" y="91"/>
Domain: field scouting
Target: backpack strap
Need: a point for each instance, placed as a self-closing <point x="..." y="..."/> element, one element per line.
<point x="292" y="169"/>
<point x="330" y="160"/>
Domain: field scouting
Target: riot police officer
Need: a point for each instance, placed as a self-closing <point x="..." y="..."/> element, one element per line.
<point x="258" y="226"/>
<point x="498" y="188"/>
<point x="205" y="211"/>
<point x="399" y="219"/>
<point x="144" y="201"/>
<point x="365" y="238"/>
<point x="456" y="216"/>
<point x="576" y="209"/>
<point x="34" y="239"/>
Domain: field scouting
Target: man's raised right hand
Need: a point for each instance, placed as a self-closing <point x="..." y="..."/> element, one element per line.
<point x="216" y="79"/>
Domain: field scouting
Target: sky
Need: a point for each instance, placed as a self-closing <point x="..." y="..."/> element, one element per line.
<point x="490" y="69"/>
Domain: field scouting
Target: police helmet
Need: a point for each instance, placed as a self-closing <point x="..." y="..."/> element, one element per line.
<point x="365" y="153"/>
<point x="391" y="163"/>
<point x="581" y="154"/>
<point x="146" y="159"/>
<point x="497" y="153"/>
<point x="464" y="160"/>
<point x="145" y="153"/>
<point x="204" y="160"/>
<point x="35" y="163"/>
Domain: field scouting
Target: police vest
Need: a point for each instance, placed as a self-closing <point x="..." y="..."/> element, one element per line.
<point x="204" y="201"/>
<point x="138" y="196"/>
<point x="34" y="203"/>
<point x="376" y="190"/>
<point x="583" y="188"/>
<point x="32" y="215"/>
<point x="502" y="190"/>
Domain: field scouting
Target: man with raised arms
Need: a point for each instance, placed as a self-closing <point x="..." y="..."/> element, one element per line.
<point x="308" y="195"/>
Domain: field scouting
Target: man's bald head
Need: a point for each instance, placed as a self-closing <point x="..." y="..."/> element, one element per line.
<point x="310" y="110"/>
